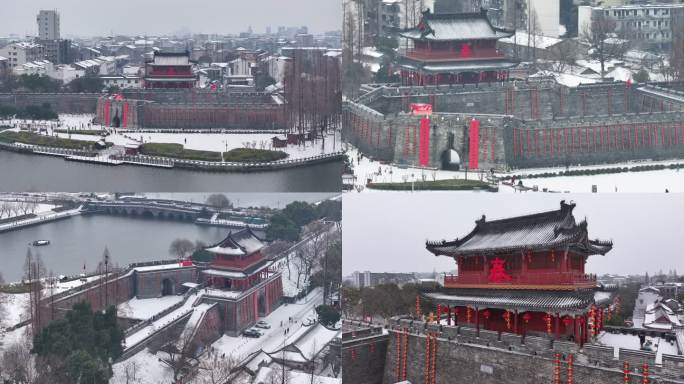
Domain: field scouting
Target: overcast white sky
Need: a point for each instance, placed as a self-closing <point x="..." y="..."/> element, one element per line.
<point x="386" y="232"/>
<point x="101" y="17"/>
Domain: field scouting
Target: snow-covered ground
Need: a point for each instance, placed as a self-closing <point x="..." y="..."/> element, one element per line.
<point x="216" y="142"/>
<point x="13" y="208"/>
<point x="657" y="344"/>
<point x="151" y="371"/>
<point x="144" y="309"/>
<point x="45" y="216"/>
<point x="313" y="342"/>
<point x="633" y="182"/>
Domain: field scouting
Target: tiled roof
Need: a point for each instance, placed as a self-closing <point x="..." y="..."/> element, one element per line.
<point x="242" y="242"/>
<point x="462" y="26"/>
<point x="546" y="230"/>
<point x="517" y="299"/>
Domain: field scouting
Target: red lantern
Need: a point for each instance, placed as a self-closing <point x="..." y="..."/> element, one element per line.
<point x="486" y="314"/>
<point x="567" y="320"/>
<point x="507" y="317"/>
<point x="547" y="318"/>
<point x="526" y="317"/>
<point x="468" y="314"/>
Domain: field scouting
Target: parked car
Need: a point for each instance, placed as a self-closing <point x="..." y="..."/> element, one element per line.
<point x="251" y="332"/>
<point x="262" y="324"/>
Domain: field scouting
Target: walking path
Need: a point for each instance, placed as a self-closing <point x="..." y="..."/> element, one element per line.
<point x="41" y="218"/>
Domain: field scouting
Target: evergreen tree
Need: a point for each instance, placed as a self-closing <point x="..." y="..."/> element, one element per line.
<point x="80" y="347"/>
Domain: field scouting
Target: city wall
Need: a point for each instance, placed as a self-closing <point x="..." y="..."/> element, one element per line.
<point x="522" y="124"/>
<point x="458" y="355"/>
<point x="363" y="356"/>
<point x="59" y="102"/>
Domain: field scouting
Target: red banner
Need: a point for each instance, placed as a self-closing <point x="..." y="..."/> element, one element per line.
<point x="424" y="156"/>
<point x="106" y="114"/>
<point x="125" y="115"/>
<point x="474" y="144"/>
<point x="421" y="109"/>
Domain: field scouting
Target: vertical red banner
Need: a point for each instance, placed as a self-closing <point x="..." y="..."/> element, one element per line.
<point x="424" y="155"/>
<point x="106" y="114"/>
<point x="125" y="115"/>
<point x="474" y="144"/>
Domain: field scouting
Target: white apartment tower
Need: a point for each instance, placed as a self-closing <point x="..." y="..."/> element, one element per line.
<point x="48" y="25"/>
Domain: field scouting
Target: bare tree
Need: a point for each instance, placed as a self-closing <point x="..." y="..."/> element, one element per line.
<point x="563" y="55"/>
<point x="181" y="248"/>
<point x="131" y="369"/>
<point x="17" y="364"/>
<point x="34" y="272"/>
<point x="677" y="56"/>
<point x="217" y="370"/>
<point x="179" y="355"/>
<point x="598" y="34"/>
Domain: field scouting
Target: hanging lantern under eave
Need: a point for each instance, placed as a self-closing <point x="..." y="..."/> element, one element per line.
<point x="468" y="314"/>
<point x="507" y="317"/>
<point x="567" y="320"/>
<point x="526" y="317"/>
<point x="547" y="318"/>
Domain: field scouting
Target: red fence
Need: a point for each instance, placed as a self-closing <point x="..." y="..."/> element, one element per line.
<point x="475" y="53"/>
<point x="533" y="277"/>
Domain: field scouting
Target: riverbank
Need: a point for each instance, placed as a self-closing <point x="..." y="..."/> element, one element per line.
<point x="39" y="219"/>
<point x="168" y="162"/>
<point x="436" y="185"/>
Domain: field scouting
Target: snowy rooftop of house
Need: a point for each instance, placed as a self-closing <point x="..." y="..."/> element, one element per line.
<point x="640" y="6"/>
<point x="372" y="52"/>
<point x="524" y="39"/>
<point x="461" y="26"/>
<point x="660" y="316"/>
<point x="243" y="242"/>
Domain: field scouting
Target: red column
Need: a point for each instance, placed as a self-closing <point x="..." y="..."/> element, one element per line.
<point x="557" y="325"/>
<point x="515" y="322"/>
<point x="477" y="320"/>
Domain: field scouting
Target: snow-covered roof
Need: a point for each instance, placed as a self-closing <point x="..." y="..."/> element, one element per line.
<point x="464" y="26"/>
<point x="372" y="52"/>
<point x="620" y="74"/>
<point x="164" y="59"/>
<point x="524" y="39"/>
<point x="243" y="242"/>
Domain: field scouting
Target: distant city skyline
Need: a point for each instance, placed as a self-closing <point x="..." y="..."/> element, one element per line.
<point x="169" y="17"/>
<point x="386" y="232"/>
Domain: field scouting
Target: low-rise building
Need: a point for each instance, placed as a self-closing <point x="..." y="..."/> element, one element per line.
<point x="38" y="67"/>
<point x="22" y="52"/>
<point x="122" y="81"/>
<point x="648" y="26"/>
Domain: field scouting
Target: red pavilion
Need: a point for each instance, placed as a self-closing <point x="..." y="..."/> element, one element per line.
<point x="241" y="280"/>
<point x="169" y="70"/>
<point x="524" y="275"/>
<point x="453" y="49"/>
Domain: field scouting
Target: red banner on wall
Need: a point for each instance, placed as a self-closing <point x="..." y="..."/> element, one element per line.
<point x="421" y="109"/>
<point x="125" y="115"/>
<point x="474" y="144"/>
<point x="424" y="155"/>
<point x="106" y="114"/>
